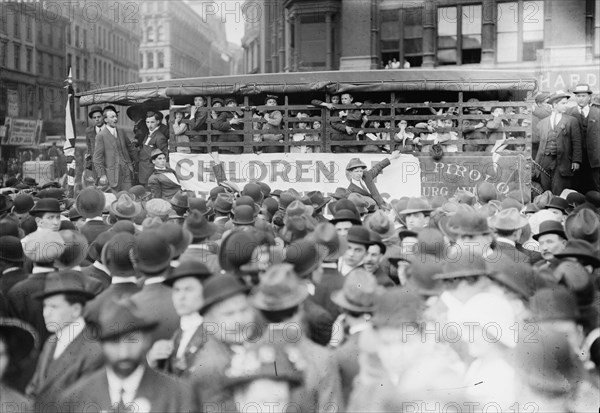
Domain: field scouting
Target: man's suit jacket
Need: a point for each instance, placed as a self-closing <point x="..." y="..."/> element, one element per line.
<point x="161" y="186"/>
<point x="331" y="281"/>
<point x="156" y="302"/>
<point x="369" y="180"/>
<point x="90" y="139"/>
<point x="590" y="131"/>
<point x="97" y="274"/>
<point x="157" y="141"/>
<point x="92" y="229"/>
<point x="82" y="357"/>
<point x="182" y="367"/>
<point x="9" y="279"/>
<point x="504" y="251"/>
<point x="156" y="393"/>
<point x="106" y="159"/>
<point x="568" y="142"/>
<point x="114" y="292"/>
<point x="346" y="360"/>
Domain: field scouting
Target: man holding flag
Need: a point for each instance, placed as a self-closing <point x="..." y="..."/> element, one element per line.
<point x="69" y="146"/>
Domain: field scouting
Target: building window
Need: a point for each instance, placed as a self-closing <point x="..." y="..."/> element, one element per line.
<point x="17" y="56"/>
<point x="150" y="34"/>
<point x="312" y="47"/>
<point x="17" y="26"/>
<point x="161" y="60"/>
<point x="520" y="31"/>
<point x="160" y="34"/>
<point x="412" y="39"/>
<point x="597" y="29"/>
<point x="29" y="29"/>
<point x="453" y="49"/>
<point x="69" y="60"/>
<point x="40" y="63"/>
<point x="69" y="35"/>
<point x="77" y="68"/>
<point x="390" y="36"/>
<point x="84" y="38"/>
<point x="150" y="60"/>
<point x="141" y="60"/>
<point x="50" y="36"/>
<point x="3" y="47"/>
<point x="29" y="59"/>
<point x="50" y="66"/>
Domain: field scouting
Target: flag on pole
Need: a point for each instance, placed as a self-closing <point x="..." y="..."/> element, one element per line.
<point x="70" y="136"/>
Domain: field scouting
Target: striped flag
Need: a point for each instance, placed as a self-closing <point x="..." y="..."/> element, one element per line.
<point x="70" y="136"/>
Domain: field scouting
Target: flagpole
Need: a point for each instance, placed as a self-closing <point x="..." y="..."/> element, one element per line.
<point x="70" y="136"/>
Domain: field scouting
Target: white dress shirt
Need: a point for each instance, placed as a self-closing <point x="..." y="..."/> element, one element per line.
<point x="154" y="280"/>
<point x="555" y="118"/>
<point x="584" y="110"/>
<point x="112" y="130"/>
<point x="128" y="386"/>
<point x="122" y="280"/>
<point x="67" y="335"/>
<point x="97" y="264"/>
<point x="189" y="324"/>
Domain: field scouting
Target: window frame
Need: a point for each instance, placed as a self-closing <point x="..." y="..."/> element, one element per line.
<point x="459" y="33"/>
<point x="520" y="29"/>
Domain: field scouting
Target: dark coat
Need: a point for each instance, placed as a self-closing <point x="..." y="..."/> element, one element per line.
<point x="146" y="168"/>
<point x="155" y="301"/>
<point x="82" y="357"/>
<point x="161" y="186"/>
<point x="161" y="392"/>
<point x="97" y="274"/>
<point x="10" y="278"/>
<point x="568" y="144"/>
<point x="92" y="229"/>
<point x="23" y="306"/>
<point x="369" y="180"/>
<point x="90" y="139"/>
<point x="112" y="293"/>
<point x="183" y="367"/>
<point x="331" y="281"/>
<point x="590" y="131"/>
<point x="346" y="360"/>
<point x="504" y="251"/>
<point x="17" y="402"/>
<point x="222" y="124"/>
<point x="319" y="322"/>
<point x="105" y="158"/>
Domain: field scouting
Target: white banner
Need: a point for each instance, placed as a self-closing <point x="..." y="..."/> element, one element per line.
<point x="303" y="172"/>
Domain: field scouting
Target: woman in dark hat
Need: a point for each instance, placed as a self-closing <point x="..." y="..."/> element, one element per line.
<point x="164" y="182"/>
<point x="18" y="340"/>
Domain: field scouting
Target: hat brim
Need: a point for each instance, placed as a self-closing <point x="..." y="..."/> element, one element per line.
<point x="341" y="301"/>
<point x="128" y="328"/>
<point x="136" y="211"/>
<point x="23" y="338"/>
<point x="261" y="302"/>
<point x="552" y="231"/>
<point x="414" y="211"/>
<point x="210" y="230"/>
<point x="45" y="294"/>
<point x="522" y="222"/>
<point x="352" y="220"/>
<point x="587" y="258"/>
<point x="425" y="292"/>
<point x="293" y="379"/>
<point x="552" y="99"/>
<point x="235" y="221"/>
<point x="222" y="296"/>
<point x="461" y="274"/>
<point x="91" y="114"/>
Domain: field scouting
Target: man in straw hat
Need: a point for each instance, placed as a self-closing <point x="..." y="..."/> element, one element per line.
<point x="72" y="351"/>
<point x="559" y="154"/>
<point x="126" y="383"/>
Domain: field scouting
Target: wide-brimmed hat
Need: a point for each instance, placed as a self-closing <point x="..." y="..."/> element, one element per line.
<point x="467" y="265"/>
<point x="200" y="205"/>
<point x="359" y="235"/>
<point x="362" y="203"/>
<point x="583" y="224"/>
<point x="152" y="253"/>
<point x="280" y="288"/>
<point x="46" y="205"/>
<point x="582" y="88"/>
<point x="198" y="226"/>
<point x="517" y="277"/>
<point x="508" y="220"/>
<point x="297" y="207"/>
<point x="158" y="207"/>
<point x="416" y="205"/>
<point x="559" y="94"/>
<point x="236" y="250"/>
<point x="23" y="203"/>
<point x="355" y="163"/>
<point x="22" y="338"/>
<point x="305" y="256"/>
<point x="558" y="203"/>
<point x="421" y="278"/>
<point x="340" y="193"/>
<point x="326" y="235"/>
<point x="550" y="227"/>
<point x="359" y="292"/>
<point x="43" y="246"/>
<point x="119" y="318"/>
<point x="90" y="202"/>
<point x="581" y="250"/>
<point x="189" y="268"/>
<point x="397" y="307"/>
<point x="317" y="199"/>
<point x="345" y="215"/>
<point x="380" y="223"/>
<point x="254" y="191"/>
<point x="93" y="110"/>
<point x="11" y="249"/>
<point x="74" y="214"/>
<point x="180" y="200"/>
<point x="177" y="236"/>
<point x="286" y="198"/>
<point x="243" y="215"/>
<point x="219" y="288"/>
<point x="125" y="207"/>
<point x="224" y="203"/>
<point x="466" y="223"/>
<point x="64" y="282"/>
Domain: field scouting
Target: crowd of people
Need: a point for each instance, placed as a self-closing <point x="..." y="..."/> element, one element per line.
<point x="254" y="299"/>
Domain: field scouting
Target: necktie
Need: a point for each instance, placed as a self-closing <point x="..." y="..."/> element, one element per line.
<point x="121" y="408"/>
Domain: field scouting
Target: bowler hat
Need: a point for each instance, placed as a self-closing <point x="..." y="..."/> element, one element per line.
<point x="584" y="224"/>
<point x="179" y="237"/>
<point x="397" y="307"/>
<point x="340" y="193"/>
<point x="74" y="214"/>
<point x="125" y="207"/>
<point x="582" y="88"/>
<point x="12" y="182"/>
<point x="198" y="225"/>
<point x="467" y="265"/>
<point x="269" y="207"/>
<point x="345" y="215"/>
<point x="581" y="250"/>
<point x="64" y="282"/>
<point x="246" y="200"/>
<point x="120" y="318"/>
<point x="305" y="256"/>
<point x="76" y="249"/>
<point x="486" y="192"/>
<point x="574" y="199"/>
<point x="140" y="192"/>
<point x="465" y="223"/>
<point x="180" y="199"/>
<point x="30" y="182"/>
<point x="552" y="304"/>
<point x="212" y="195"/>
<point x="406" y="233"/>
<point x="593" y="198"/>
<point x="23" y="203"/>
<point x="236" y="250"/>
<point x="558" y="203"/>
<point x="56" y="193"/>
<point x="90" y="202"/>
<point x="158" y="207"/>
<point x="22" y="340"/>
<point x="299" y="208"/>
<point x="95" y="248"/>
<point x="219" y="288"/>
<point x="317" y="199"/>
<point x="359" y="292"/>
<point x="286" y="198"/>
<point x="359" y="235"/>
<point x="93" y="110"/>
<point x="416" y="205"/>
<point x="243" y="215"/>
<point x="200" y="205"/>
<point x="559" y="94"/>
<point x="508" y="220"/>
<point x="110" y="107"/>
<point x="46" y="205"/>
<point x="152" y="252"/>
<point x="189" y="268"/>
<point x="117" y="253"/>
<point x="9" y="226"/>
<point x="254" y="191"/>
<point x="11" y="249"/>
<point x="421" y="278"/>
<point x="216" y="100"/>
<point x="326" y="235"/>
<point x="43" y="246"/>
<point x="380" y="223"/>
<point x="395" y="254"/>
<point x="550" y="227"/>
<point x="280" y="288"/>
<point x="265" y="188"/>
<point x="224" y="203"/>
<point x="355" y="163"/>
<point x="375" y="239"/>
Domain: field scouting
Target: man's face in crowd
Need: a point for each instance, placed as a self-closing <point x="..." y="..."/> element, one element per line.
<point x="583" y="99"/>
<point x="347" y="99"/>
<point x="187" y="295"/>
<point x="355" y="254"/>
<point x="551" y="244"/>
<point x="151" y="123"/>
<point x="498" y="112"/>
<point x="230" y="318"/>
<point x="199" y="101"/>
<point x="416" y="221"/>
<point x="342" y="228"/>
<point x="232" y="104"/>
<point x="49" y="220"/>
<point x="111" y="118"/>
<point x="271" y="102"/>
<point x="58" y="313"/>
<point x="160" y="161"/>
<point x="127" y="352"/>
<point x="98" y="119"/>
<point x="373" y="258"/>
<point x="560" y="106"/>
<point x="178" y="116"/>
<point x="357" y="173"/>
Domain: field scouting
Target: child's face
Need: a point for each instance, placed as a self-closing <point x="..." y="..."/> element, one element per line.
<point x="376" y="124"/>
<point x="335" y="99"/>
<point x="302" y="125"/>
<point x="387" y="124"/>
<point x="178" y="116"/>
<point x="199" y="101"/>
<point x="316" y="125"/>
